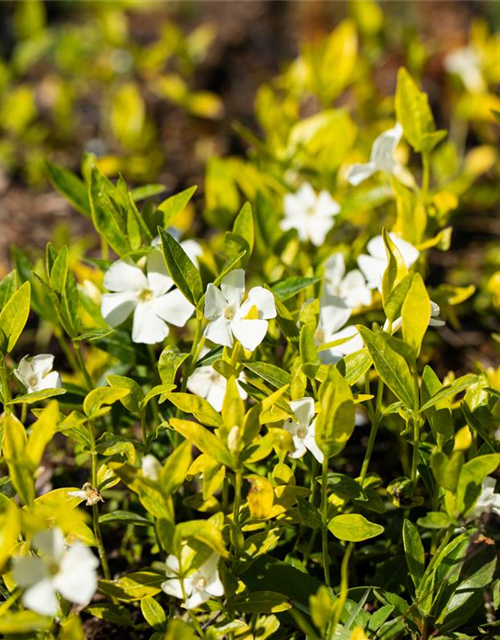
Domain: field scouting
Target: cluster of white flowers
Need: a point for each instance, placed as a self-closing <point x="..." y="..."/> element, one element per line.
<point x="66" y="570"/>
<point x="487" y="501"/>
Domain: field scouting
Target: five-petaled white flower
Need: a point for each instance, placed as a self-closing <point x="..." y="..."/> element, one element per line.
<point x="151" y="297"/>
<point x="464" y="62"/>
<point x="487" y="501"/>
<point x="88" y="493"/>
<point x="36" y="373"/>
<point x="374" y="265"/>
<point x="69" y="571"/>
<point x="312" y="215"/>
<point x="302" y="429"/>
<point x="333" y="315"/>
<point x="196" y="586"/>
<point x="207" y="383"/>
<point x="351" y="287"/>
<point x="381" y="158"/>
<point x="231" y="318"/>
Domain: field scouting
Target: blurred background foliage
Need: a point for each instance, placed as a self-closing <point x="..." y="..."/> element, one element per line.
<point x="255" y="97"/>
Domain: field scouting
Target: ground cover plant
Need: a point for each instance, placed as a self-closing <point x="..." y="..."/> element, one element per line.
<point x="241" y="422"/>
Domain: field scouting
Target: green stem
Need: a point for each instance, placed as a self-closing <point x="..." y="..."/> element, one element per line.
<point x="375" y="416"/>
<point x="238" y="481"/>
<point x="425" y="176"/>
<point x="70" y="356"/>
<point x="4" y="379"/>
<point x="416" y="444"/>
<point x="144" y="427"/>
<point x="95" y="508"/>
<point x="81" y="365"/>
<point x="5" y="606"/>
<point x="344" y="587"/>
<point x="324" y="519"/>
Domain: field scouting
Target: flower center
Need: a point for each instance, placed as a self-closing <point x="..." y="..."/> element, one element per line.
<point x="320" y="335"/>
<point x="201" y="584"/>
<point x="301" y="432"/>
<point x="311" y="211"/>
<point x="229" y="313"/>
<point x="32" y="381"/>
<point x="145" y="295"/>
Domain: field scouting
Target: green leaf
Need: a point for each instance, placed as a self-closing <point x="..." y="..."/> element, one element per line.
<point x="176" y="468"/>
<point x="354" y="528"/>
<point x="134" y="586"/>
<point x="204" y="439"/>
<point x="396" y="268"/>
<point x="471" y="477"/>
<point x="204" y="531"/>
<point x="172" y="206"/>
<point x="344" y="486"/>
<point x="180" y="630"/>
<point x="181" y="269"/>
<point x="414" y="551"/>
<point x="154" y="614"/>
<point x="70" y="187"/>
<point x="435" y="520"/>
<point x="199" y="407"/>
<point x="416" y="313"/>
<point x="460" y="384"/>
<point x="133" y="400"/>
<point x="446" y="469"/>
<point x="37" y="396"/>
<point x="20" y="466"/>
<point x="391" y="366"/>
<point x="335" y="420"/>
<point x="413" y="111"/>
<point x="92" y="405"/>
<point x="22" y="622"/>
<point x="14" y="316"/>
<point x="261" y="602"/>
<point x="270" y="373"/>
<point x="169" y="362"/>
<point x="396" y="298"/>
<point x="354" y="365"/>
<point x="290" y="287"/>
<point x="105" y="216"/>
<point x="125" y="517"/>
<point x="113" y="613"/>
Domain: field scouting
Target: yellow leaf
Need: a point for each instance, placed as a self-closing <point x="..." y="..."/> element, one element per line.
<point x="260" y="497"/>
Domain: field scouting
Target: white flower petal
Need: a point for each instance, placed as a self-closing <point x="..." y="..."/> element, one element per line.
<point x="50" y="542"/>
<point x="116" y="307"/>
<point x="303" y="410"/>
<point x="264" y="302"/>
<point x="334" y="272"/>
<point x="333" y="314"/>
<point x="173" y="307"/>
<point x="326" y="206"/>
<point x="193" y="249"/>
<point x="195" y="600"/>
<point x="50" y="381"/>
<point x="42" y="363"/>
<point x="373" y="270"/>
<point x="215" y="395"/>
<point x="310" y="443"/>
<point x="77" y="577"/>
<point x="148" y="328"/>
<point x="29" y="570"/>
<point x="24" y="369"/>
<point x="125" y="275"/>
<point x="233" y="287"/>
<point x="249" y="332"/>
<point x="318" y="229"/>
<point x="215" y="302"/>
<point x="200" y="381"/>
<point x="384" y="147"/>
<point x="359" y="172"/>
<point x="173" y="588"/>
<point x="159" y="280"/>
<point x="41" y="598"/>
<point x="219" y="331"/>
<point x="300" y="448"/>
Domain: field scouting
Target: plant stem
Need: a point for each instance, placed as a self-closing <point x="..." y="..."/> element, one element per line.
<point x="4" y="379"/>
<point x="416" y="443"/>
<point x="324" y="519"/>
<point x="344" y="587"/>
<point x="238" y="480"/>
<point x="70" y="356"/>
<point x="81" y="364"/>
<point x="375" y="420"/>
<point x="95" y="508"/>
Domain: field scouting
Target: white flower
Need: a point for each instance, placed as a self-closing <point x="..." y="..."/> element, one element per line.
<point x="487" y="501"/>
<point x="152" y="299"/>
<point x="151" y="468"/>
<point x="374" y="265"/>
<point x="435" y="320"/>
<point x="351" y="287"/>
<point x="70" y="571"/>
<point x="302" y="429"/>
<point x="381" y="158"/>
<point x="312" y="215"/>
<point x="464" y="62"/>
<point x="230" y="319"/>
<point x="192" y="248"/>
<point x="207" y="383"/>
<point x="88" y="493"/>
<point x="333" y="314"/>
<point x="36" y="373"/>
<point x="197" y="586"/>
